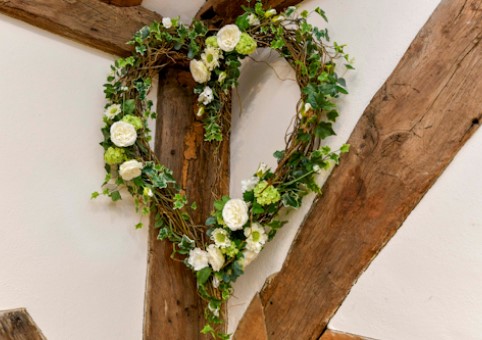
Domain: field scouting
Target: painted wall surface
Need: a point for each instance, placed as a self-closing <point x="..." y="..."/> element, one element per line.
<point x="79" y="265"/>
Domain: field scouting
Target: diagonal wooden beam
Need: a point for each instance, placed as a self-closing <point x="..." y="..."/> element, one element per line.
<point x="222" y="12"/>
<point x="409" y="133"/>
<point x="16" y="324"/>
<point x="89" y="22"/>
<point x="335" y="335"/>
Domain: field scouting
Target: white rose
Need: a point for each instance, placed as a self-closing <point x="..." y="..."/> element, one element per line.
<point x="167" y="23"/>
<point x="235" y="214"/>
<point x="215" y="257"/>
<point x="130" y="169"/>
<point x="249" y="184"/>
<point x="228" y="37"/>
<point x="199" y="71"/>
<point x="198" y="259"/>
<point x="206" y="96"/>
<point x="222" y="77"/>
<point x="112" y="111"/>
<point x="249" y="256"/>
<point x="123" y="134"/>
<point x="253" y="20"/>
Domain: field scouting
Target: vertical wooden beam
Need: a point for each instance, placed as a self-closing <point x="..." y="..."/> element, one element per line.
<point x="173" y="308"/>
<point x="16" y="324"/>
<point x="412" y="129"/>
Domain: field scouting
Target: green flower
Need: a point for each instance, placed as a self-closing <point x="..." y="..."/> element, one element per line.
<point x="212" y="41"/>
<point x="134" y="121"/>
<point x="266" y="194"/>
<point x="246" y="44"/>
<point x="230" y="251"/>
<point x="114" y="156"/>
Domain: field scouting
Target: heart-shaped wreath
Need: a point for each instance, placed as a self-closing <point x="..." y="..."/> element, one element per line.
<point x="238" y="228"/>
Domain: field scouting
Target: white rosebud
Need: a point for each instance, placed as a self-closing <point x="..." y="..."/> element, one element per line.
<point x="235" y="214"/>
<point x="255" y="237"/>
<point x="198" y="259"/>
<point x="148" y="192"/>
<point x="228" y="37"/>
<point x="221" y="238"/>
<point x="112" y="111"/>
<point x="123" y="134"/>
<point x="316" y="168"/>
<point x="249" y="256"/>
<point x="200" y="111"/>
<point x="167" y="22"/>
<point x="270" y="13"/>
<point x="216" y="282"/>
<point x="130" y="169"/>
<point x="206" y="96"/>
<point x="199" y="71"/>
<point x="307" y="107"/>
<point x="249" y="184"/>
<point x="215" y="257"/>
<point x="213" y="310"/>
<point x="222" y="77"/>
<point x="262" y="169"/>
<point x="278" y="18"/>
<point x="253" y="20"/>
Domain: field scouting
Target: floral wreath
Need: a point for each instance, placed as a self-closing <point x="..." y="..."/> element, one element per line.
<point x="238" y="228"/>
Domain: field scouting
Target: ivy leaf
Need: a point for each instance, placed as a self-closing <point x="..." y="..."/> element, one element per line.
<point x="321" y="13"/>
<point x="324" y="130"/>
<point x="94" y="195"/>
<point x="115" y="196"/>
<point x="242" y="22"/>
<point x="139" y="225"/>
<point x="203" y="275"/>
<point x="128" y="107"/>
<point x="163" y="234"/>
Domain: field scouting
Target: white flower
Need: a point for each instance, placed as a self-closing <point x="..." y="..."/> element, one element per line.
<point x="249" y="256"/>
<point x="200" y="111"/>
<point x="221" y="238"/>
<point x="307" y="107"/>
<point x="112" y="111"/>
<point x="253" y="20"/>
<point x="198" y="259"/>
<point x="130" y="169"/>
<point x="249" y="184"/>
<point x="216" y="282"/>
<point x="278" y="18"/>
<point x="316" y="168"/>
<point x="228" y="37"/>
<point x="270" y="13"/>
<point x="222" y="77"/>
<point x="215" y="257"/>
<point x="199" y="71"/>
<point x="211" y="57"/>
<point x="235" y="214"/>
<point x="206" y="96"/>
<point x="256" y="237"/>
<point x="214" y="310"/>
<point x="123" y="134"/>
<point x="148" y="192"/>
<point x="262" y="169"/>
<point x="166" y="22"/>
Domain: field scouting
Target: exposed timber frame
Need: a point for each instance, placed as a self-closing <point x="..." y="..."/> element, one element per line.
<point x="17" y="324"/>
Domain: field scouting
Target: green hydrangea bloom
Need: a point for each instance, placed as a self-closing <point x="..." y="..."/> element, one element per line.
<point x="266" y="194"/>
<point x="246" y="44"/>
<point x="114" y="156"/>
<point x="230" y="251"/>
<point x="133" y="120"/>
<point x="212" y="41"/>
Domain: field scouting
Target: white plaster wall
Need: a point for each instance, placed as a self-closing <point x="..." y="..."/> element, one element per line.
<point x="77" y="265"/>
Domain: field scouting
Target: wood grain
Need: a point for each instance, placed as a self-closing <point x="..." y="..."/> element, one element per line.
<point x="16" y="324"/>
<point x="409" y="133"/>
<point x="335" y="335"/>
<point x="222" y="12"/>
<point x="173" y="308"/>
<point x="253" y="326"/>
<point x="123" y="3"/>
<point x="90" y="22"/>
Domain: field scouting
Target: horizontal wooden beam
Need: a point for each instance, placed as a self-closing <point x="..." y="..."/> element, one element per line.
<point x="222" y="12"/>
<point x="89" y="22"/>
<point x="16" y="324"/>
<point x="409" y="133"/>
<point x="123" y="3"/>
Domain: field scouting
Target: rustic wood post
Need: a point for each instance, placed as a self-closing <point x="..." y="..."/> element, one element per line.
<point x="16" y="324"/>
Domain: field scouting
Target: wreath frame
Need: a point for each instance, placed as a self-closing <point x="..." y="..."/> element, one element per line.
<point x="237" y="229"/>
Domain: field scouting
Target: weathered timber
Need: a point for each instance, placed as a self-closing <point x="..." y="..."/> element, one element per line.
<point x="335" y="335"/>
<point x="123" y="3"/>
<point x="16" y="324"/>
<point x="222" y="12"/>
<point x="173" y="308"/>
<point x="253" y="326"/>
<point x="89" y="22"/>
<point x="413" y="127"/>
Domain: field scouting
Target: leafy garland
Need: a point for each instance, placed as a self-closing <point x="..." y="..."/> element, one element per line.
<point x="237" y="229"/>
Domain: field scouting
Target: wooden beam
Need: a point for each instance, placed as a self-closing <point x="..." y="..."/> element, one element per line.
<point x="409" y="133"/>
<point x="253" y="326"/>
<point x="16" y="324"/>
<point x="89" y="22"/>
<point x="222" y="12"/>
<point x="335" y="335"/>
<point x="173" y="308"/>
<point x="123" y="3"/>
